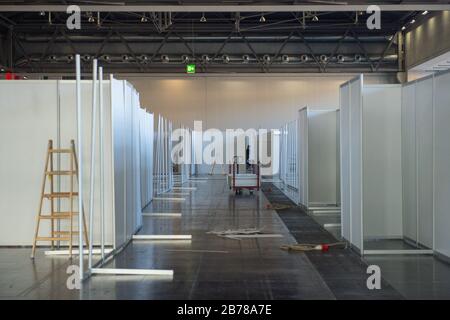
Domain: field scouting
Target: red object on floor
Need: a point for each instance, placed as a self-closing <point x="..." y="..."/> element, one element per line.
<point x="9" y="76"/>
<point x="325" y="247"/>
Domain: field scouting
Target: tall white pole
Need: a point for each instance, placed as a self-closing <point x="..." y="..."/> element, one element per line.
<point x="102" y="174"/>
<point x="92" y="171"/>
<point x="80" y="164"/>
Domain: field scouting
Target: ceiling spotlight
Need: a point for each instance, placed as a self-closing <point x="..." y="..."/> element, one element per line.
<point x="361" y="13"/>
<point x="105" y="57"/>
<point x="403" y="28"/>
<point x="144" y="19"/>
<point x="90" y="16"/>
<point x="42" y="13"/>
<point x="165" y="58"/>
<point x="203" y="18"/>
<point x="185" y="58"/>
<point x="304" y="58"/>
<point x="340" y="58"/>
<point x="413" y="21"/>
<point x="225" y="58"/>
<point x="86" y="57"/>
<point x="69" y="58"/>
<point x="285" y="58"/>
<point x="323" y="58"/>
<point x="52" y="58"/>
<point x="246" y="58"/>
<point x="425" y="13"/>
<point x="125" y="58"/>
<point x="358" y="58"/>
<point x="315" y="18"/>
<point x="206" y="58"/>
<point x="266" y="58"/>
<point x="144" y="58"/>
<point x="262" y="19"/>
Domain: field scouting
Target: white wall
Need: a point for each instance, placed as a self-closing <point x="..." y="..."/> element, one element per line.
<point x="382" y="166"/>
<point x="27" y="122"/>
<point x="442" y="163"/>
<point x="237" y="101"/>
<point x="322" y="157"/>
<point x="371" y="186"/>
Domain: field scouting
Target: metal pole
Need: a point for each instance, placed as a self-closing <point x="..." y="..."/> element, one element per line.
<point x="102" y="174"/>
<point x="80" y="165"/>
<point x="92" y="173"/>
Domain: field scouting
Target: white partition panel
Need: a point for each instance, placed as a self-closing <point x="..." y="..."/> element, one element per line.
<point x="424" y="152"/>
<point x="322" y="157"/>
<point x="442" y="163"/>
<point x="387" y="160"/>
<point x="409" y="166"/>
<point x="382" y="170"/>
<point x="67" y="132"/>
<point x="28" y="119"/>
<point x="119" y="143"/>
<point x="309" y="159"/>
<point x="303" y="156"/>
<point x="345" y="160"/>
<point x="146" y="160"/>
<point x="355" y="155"/>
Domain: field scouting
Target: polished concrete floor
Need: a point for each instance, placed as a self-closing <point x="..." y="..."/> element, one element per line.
<point x="211" y="267"/>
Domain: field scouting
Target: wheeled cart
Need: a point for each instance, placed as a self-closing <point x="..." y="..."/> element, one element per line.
<point x="250" y="180"/>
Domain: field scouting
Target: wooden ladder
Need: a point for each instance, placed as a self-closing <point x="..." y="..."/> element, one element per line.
<point x="50" y="174"/>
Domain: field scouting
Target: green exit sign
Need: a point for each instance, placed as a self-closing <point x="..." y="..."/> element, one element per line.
<point x="190" y="68"/>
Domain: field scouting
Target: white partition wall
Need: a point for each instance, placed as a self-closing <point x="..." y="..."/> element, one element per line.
<point x="371" y="187"/>
<point x="318" y="157"/>
<point x="380" y="165"/>
<point x="163" y="171"/>
<point x="417" y="135"/>
<point x="43" y="110"/>
<point x="28" y="119"/>
<point x="381" y="162"/>
<point x="426" y="162"/>
<point x="441" y="170"/>
<point x="146" y="160"/>
<point x="309" y="158"/>
<point x="289" y="160"/>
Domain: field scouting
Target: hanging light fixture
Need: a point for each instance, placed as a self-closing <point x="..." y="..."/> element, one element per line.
<point x="90" y="17"/>
<point x="203" y="18"/>
<point x="425" y="13"/>
<point x="42" y="13"/>
<point x="262" y="19"/>
<point x="144" y="18"/>
<point x="315" y="18"/>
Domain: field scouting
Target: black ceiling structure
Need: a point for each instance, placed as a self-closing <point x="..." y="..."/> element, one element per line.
<point x="38" y="40"/>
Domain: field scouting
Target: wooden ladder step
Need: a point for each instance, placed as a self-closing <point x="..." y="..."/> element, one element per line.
<point x="58" y="215"/>
<point x="65" y="232"/>
<point x="60" y="150"/>
<point x="60" y="173"/>
<point x="53" y="239"/>
<point x="59" y="195"/>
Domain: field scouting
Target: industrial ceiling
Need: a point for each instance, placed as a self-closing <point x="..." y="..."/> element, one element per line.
<point x="218" y="36"/>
